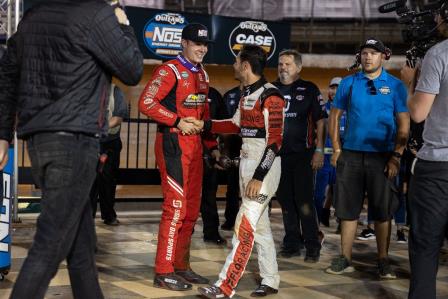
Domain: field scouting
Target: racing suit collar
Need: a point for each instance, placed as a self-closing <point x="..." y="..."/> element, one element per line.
<point x="193" y="68"/>
<point x="247" y="90"/>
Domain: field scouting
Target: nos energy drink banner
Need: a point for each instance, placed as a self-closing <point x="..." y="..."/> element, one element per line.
<point x="159" y="34"/>
<point x="5" y="215"/>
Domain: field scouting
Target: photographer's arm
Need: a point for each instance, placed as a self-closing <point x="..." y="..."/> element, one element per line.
<point x="421" y="97"/>
<point x="419" y="105"/>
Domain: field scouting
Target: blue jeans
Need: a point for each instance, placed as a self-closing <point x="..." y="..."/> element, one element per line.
<point x="324" y="177"/>
<point x="63" y="166"/>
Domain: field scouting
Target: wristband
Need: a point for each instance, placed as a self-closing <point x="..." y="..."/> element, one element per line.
<point x="319" y="150"/>
<point x="396" y="155"/>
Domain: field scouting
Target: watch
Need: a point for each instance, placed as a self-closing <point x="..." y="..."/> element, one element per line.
<point x="397" y="155"/>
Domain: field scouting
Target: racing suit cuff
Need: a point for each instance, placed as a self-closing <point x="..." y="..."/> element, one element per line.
<point x="207" y="125"/>
<point x="259" y="175"/>
<point x="176" y="122"/>
<point x="266" y="162"/>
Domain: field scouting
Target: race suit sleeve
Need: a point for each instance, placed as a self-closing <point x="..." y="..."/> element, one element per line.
<point x="9" y="77"/>
<point x="115" y="46"/>
<point x="274" y="117"/>
<point x="159" y="86"/>
<point x="226" y="126"/>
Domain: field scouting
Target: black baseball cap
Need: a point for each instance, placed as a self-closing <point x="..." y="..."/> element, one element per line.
<point x="196" y="32"/>
<point x="373" y="43"/>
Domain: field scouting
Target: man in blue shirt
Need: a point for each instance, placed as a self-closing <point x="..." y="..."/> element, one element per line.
<point x="376" y="132"/>
<point x="326" y="176"/>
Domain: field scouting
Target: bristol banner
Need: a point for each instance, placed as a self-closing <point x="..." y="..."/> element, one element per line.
<point x="159" y="34"/>
<point x="5" y="215"/>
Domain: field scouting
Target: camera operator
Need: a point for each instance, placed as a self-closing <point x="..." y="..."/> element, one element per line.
<point x="428" y="198"/>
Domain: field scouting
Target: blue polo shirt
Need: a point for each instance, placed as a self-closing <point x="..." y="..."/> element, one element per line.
<point x="371" y="124"/>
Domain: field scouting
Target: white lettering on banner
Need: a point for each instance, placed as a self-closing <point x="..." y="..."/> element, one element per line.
<point x="259" y="40"/>
<point x="4" y="212"/>
<point x="166" y="34"/>
<point x="170" y="18"/>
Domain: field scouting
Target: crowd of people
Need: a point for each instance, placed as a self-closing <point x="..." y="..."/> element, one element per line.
<point x="272" y="139"/>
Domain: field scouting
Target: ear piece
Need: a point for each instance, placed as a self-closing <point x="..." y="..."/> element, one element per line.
<point x="388" y="53"/>
<point x="358" y="58"/>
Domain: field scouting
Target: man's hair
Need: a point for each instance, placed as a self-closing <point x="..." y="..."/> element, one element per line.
<point x="294" y="53"/>
<point x="255" y="56"/>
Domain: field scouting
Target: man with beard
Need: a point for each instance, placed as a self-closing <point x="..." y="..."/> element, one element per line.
<point x="259" y="119"/>
<point x="178" y="89"/>
<point x="302" y="153"/>
<point x="376" y="132"/>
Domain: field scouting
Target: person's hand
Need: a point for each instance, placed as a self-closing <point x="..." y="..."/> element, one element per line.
<point x="187" y="127"/>
<point x="197" y="122"/>
<point x="335" y="157"/>
<point x="317" y="161"/>
<point x="4" y="147"/>
<point x="392" y="167"/>
<point x="216" y="155"/>
<point x="253" y="188"/>
<point x="121" y="16"/>
<point x="408" y="75"/>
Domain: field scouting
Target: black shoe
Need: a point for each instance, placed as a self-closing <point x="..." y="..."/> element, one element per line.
<point x="289" y="252"/>
<point x="325" y="217"/>
<point x="263" y="290"/>
<point x="113" y="222"/>
<point x="216" y="239"/>
<point x="312" y="255"/>
<point x="171" y="281"/>
<point x="227" y="226"/>
<point x="192" y="277"/>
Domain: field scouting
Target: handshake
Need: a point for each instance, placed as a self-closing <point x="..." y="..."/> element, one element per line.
<point x="190" y="125"/>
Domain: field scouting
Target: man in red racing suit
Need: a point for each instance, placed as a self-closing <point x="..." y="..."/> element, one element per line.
<point x="178" y="89"/>
<point x="259" y="119"/>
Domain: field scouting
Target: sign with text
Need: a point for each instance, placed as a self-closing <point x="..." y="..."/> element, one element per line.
<point x="159" y="34"/>
<point x="5" y="214"/>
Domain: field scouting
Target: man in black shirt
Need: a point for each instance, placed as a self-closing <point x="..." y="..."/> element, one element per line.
<point x="301" y="153"/>
<point x="209" y="209"/>
<point x="231" y="146"/>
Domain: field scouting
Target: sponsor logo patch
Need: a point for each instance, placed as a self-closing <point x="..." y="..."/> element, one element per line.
<point x="384" y="90"/>
<point x="194" y="100"/>
<point x="184" y="75"/>
<point x="163" y="72"/>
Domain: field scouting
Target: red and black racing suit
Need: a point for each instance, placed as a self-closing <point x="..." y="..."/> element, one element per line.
<point x="176" y="90"/>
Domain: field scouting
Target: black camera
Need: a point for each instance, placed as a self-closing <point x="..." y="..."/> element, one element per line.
<point x="421" y="29"/>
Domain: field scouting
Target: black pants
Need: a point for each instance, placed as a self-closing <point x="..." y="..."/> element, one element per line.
<point x="428" y="201"/>
<point x="63" y="166"/>
<point x="232" y="195"/>
<point x="295" y="195"/>
<point x="105" y="184"/>
<point x="209" y="209"/>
